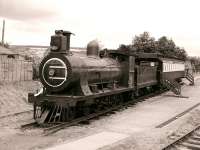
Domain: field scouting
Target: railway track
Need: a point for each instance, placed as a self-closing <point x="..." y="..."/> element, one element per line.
<point x="188" y="141"/>
<point x="52" y="128"/>
<point x="29" y="125"/>
<point x="16" y="114"/>
<point x="177" y="116"/>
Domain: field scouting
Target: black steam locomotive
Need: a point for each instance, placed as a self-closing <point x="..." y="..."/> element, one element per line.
<point x="76" y="85"/>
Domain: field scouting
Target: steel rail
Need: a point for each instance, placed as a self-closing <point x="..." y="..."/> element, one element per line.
<point x="177" y="116"/>
<point x="16" y="114"/>
<point x="182" y="138"/>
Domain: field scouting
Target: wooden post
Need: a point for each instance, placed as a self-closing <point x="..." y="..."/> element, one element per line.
<point x="3" y="31"/>
<point x="131" y="80"/>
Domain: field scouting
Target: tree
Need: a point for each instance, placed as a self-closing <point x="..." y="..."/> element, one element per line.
<point x="144" y="43"/>
<point x="125" y="47"/>
<point x="165" y="46"/>
<point x="180" y="53"/>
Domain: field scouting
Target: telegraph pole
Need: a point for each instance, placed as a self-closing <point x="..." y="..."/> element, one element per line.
<point x="3" y="31"/>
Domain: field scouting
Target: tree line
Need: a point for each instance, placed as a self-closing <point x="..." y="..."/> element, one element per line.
<point x="148" y="44"/>
<point x="164" y="46"/>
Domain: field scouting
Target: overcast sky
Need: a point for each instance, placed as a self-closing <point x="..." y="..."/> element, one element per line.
<point x="112" y="22"/>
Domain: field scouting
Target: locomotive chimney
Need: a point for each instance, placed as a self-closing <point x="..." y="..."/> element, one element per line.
<point x="93" y="48"/>
<point x="60" y="42"/>
<point x="67" y="34"/>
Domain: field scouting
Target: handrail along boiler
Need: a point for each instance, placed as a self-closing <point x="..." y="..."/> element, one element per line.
<point x="80" y="84"/>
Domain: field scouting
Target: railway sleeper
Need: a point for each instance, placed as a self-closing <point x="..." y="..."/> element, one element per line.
<point x="190" y="146"/>
<point x="192" y="141"/>
<point x="195" y="137"/>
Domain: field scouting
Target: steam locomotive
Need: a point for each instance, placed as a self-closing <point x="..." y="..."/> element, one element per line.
<point x="76" y="85"/>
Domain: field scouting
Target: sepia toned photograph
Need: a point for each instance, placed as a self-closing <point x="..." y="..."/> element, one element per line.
<point x="99" y="75"/>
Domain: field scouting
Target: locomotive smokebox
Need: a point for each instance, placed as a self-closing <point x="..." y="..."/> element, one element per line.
<point x="93" y="48"/>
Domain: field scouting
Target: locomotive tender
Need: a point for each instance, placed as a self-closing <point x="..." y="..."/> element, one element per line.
<point x="75" y="85"/>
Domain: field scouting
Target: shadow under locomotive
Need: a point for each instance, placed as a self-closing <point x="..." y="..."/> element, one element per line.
<point x="77" y="85"/>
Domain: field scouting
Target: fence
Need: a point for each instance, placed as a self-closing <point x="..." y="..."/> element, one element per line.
<point x="15" y="70"/>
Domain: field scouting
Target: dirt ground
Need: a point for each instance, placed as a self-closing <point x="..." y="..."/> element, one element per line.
<point x="138" y="122"/>
<point x="14" y="96"/>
